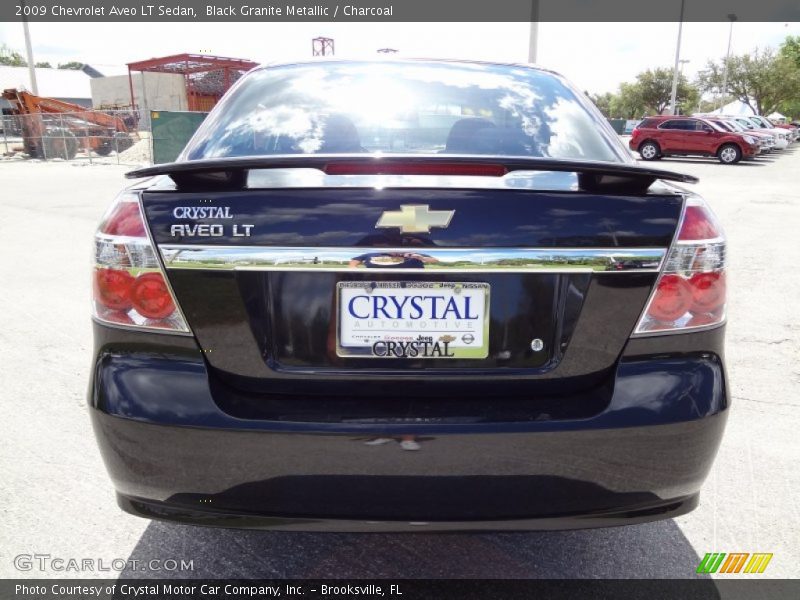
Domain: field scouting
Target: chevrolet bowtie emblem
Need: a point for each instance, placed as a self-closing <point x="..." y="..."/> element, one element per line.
<point x="415" y="218"/>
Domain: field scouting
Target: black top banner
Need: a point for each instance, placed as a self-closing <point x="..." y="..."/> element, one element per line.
<point x="399" y="10"/>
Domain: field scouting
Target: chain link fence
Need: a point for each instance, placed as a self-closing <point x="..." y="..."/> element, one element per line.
<point x="95" y="136"/>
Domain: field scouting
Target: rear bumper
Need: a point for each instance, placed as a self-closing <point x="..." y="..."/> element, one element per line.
<point x="172" y="453"/>
<point x="170" y="511"/>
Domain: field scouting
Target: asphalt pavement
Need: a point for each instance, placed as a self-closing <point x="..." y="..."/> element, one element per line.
<point x="57" y="500"/>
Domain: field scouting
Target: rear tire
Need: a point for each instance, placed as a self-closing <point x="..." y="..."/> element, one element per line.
<point x="729" y="154"/>
<point x="650" y="151"/>
<point x="121" y="142"/>
<point x="59" y="143"/>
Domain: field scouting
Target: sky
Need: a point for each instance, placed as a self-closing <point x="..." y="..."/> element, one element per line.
<point x="596" y="57"/>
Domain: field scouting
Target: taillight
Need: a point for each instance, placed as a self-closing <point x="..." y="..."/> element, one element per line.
<point x="690" y="293"/>
<point x="698" y="224"/>
<point x="129" y="286"/>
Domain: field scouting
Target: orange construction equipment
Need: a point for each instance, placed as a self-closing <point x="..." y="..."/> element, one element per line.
<point x="53" y="128"/>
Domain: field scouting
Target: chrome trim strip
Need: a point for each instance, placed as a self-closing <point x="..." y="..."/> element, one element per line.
<point x="681" y="330"/>
<point x="140" y="328"/>
<point x="302" y="177"/>
<point x="444" y="260"/>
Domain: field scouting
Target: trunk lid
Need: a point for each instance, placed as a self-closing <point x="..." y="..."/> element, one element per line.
<point x="258" y="274"/>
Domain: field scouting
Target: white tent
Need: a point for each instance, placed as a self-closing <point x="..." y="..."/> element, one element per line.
<point x="737" y="108"/>
<point x="776" y="116"/>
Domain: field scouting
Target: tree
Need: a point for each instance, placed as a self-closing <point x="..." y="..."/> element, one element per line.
<point x="627" y="103"/>
<point x="762" y="79"/>
<point x="603" y="103"/>
<point x="11" y="58"/>
<point x="655" y="90"/>
<point x="790" y="49"/>
<point x="74" y="65"/>
<point x="43" y="65"/>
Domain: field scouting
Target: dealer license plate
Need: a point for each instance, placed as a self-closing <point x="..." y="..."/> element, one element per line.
<point x="412" y="319"/>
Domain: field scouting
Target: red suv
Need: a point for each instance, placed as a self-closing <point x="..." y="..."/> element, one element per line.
<point x="661" y="136"/>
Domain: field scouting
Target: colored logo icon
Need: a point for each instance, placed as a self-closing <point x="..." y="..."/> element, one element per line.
<point x="735" y="562"/>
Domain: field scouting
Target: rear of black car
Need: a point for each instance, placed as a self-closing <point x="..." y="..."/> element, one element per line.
<point x="408" y="295"/>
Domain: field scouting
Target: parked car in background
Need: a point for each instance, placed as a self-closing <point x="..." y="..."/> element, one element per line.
<point x="791" y="131"/>
<point x="781" y="137"/>
<point x="660" y="136"/>
<point x="765" y="140"/>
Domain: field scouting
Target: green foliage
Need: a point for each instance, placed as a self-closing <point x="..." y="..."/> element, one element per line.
<point x="603" y="103"/>
<point x="43" y="65"/>
<point x="74" y="65"/>
<point x="655" y="89"/>
<point x="649" y="94"/>
<point x="627" y="103"/>
<point x="790" y="49"/>
<point x="11" y="58"/>
<point x="762" y="79"/>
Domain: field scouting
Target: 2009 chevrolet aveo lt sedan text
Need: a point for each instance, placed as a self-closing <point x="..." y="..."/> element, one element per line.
<point x="408" y="295"/>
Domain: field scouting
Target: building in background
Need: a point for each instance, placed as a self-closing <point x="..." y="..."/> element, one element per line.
<point x="68" y="85"/>
<point x="151" y="91"/>
<point x="204" y="78"/>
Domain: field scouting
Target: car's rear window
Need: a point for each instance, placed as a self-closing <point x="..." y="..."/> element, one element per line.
<point x="416" y="108"/>
<point x="648" y="124"/>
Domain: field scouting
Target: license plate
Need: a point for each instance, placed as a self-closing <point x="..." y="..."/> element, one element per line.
<point x="412" y="319"/>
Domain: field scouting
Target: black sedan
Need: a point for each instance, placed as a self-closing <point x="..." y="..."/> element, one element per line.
<point x="408" y="295"/>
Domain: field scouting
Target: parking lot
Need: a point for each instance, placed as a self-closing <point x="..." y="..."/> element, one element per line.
<point x="57" y="499"/>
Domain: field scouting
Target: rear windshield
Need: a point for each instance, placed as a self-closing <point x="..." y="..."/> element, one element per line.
<point x="416" y="108"/>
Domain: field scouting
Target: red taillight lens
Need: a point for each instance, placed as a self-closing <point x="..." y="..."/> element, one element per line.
<point x="151" y="297"/>
<point x="379" y="167"/>
<point x="129" y="285"/>
<point x="112" y="288"/>
<point x="691" y="290"/>
<point x="708" y="292"/>
<point x="124" y="219"/>
<point x="698" y="224"/>
<point x="671" y="300"/>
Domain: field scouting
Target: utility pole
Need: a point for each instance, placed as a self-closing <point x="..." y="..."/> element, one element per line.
<point x="674" y="96"/>
<point x="29" y="51"/>
<point x="533" y="40"/>
<point x="731" y="17"/>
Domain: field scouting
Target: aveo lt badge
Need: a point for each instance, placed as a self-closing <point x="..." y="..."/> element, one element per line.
<point x="415" y="218"/>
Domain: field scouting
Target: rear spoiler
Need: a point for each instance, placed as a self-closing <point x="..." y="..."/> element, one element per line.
<point x="231" y="173"/>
